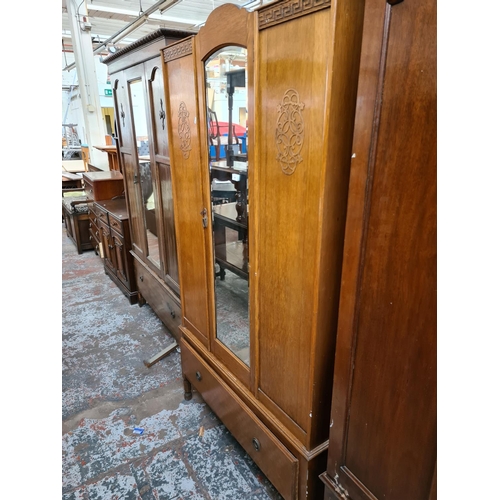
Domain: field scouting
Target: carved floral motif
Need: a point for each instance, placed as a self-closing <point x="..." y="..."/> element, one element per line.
<point x="184" y="130"/>
<point x="289" y="131"/>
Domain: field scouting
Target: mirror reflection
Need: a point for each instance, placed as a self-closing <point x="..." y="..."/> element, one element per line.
<point x="145" y="178"/>
<point x="226" y="94"/>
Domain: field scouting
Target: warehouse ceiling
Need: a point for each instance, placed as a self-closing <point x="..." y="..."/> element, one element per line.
<point x="124" y="21"/>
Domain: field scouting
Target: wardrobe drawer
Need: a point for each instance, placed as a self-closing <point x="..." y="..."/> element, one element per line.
<point x="156" y="294"/>
<point x="277" y="463"/>
<point x="89" y="188"/>
<point x="116" y="223"/>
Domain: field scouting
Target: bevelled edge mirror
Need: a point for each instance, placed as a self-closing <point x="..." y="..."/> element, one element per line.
<point x="145" y="173"/>
<point x="226" y="98"/>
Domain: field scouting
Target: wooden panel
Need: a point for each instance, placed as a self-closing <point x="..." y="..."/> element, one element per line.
<point x="125" y="133"/>
<point x="170" y="241"/>
<point x="134" y="198"/>
<point x="103" y="185"/>
<point x="124" y="261"/>
<point x="383" y="438"/>
<point x="116" y="223"/>
<point x="100" y="213"/>
<point x="162" y="300"/>
<point x="94" y="233"/>
<point x="160" y="152"/>
<point x="279" y="465"/>
<point x="231" y="23"/>
<point x="292" y="60"/>
<point x="181" y="89"/>
<point x="156" y="94"/>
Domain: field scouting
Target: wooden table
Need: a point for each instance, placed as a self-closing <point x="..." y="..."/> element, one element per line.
<point x="112" y="152"/>
<point x="71" y="181"/>
<point x="230" y="253"/>
<point x="220" y="171"/>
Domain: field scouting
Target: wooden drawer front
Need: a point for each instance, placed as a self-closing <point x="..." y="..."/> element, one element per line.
<point x="100" y="214"/>
<point x="116" y="224"/>
<point x="89" y="189"/>
<point x="94" y="231"/>
<point x="158" y="297"/>
<point x="277" y="463"/>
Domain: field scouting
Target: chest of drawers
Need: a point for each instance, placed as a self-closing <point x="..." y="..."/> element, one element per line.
<point x="109" y="227"/>
<point x="103" y="185"/>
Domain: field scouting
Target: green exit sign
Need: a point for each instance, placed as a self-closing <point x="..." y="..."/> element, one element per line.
<point x="108" y="92"/>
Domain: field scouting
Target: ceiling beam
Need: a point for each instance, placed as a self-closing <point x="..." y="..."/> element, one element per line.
<point x="162" y="5"/>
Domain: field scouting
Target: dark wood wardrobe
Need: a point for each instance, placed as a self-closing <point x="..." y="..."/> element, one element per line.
<point x="144" y="157"/>
<point x="383" y="420"/>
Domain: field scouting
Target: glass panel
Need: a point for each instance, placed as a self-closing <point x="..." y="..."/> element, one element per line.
<point x="226" y="92"/>
<point x="145" y="174"/>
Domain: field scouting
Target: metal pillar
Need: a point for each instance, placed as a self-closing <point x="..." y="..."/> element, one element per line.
<point x="94" y="127"/>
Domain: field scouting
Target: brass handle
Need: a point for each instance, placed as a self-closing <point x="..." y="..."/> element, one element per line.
<point x="198" y="376"/>
<point x="256" y="444"/>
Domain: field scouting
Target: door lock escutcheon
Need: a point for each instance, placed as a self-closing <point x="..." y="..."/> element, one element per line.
<point x="204" y="219"/>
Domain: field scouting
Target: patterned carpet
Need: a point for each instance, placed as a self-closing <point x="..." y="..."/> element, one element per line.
<point x="184" y="450"/>
<point x="232" y="314"/>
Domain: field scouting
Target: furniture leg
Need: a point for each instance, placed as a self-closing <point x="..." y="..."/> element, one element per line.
<point x="188" y="389"/>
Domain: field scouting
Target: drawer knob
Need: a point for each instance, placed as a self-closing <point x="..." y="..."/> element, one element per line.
<point x="198" y="376"/>
<point x="141" y="278"/>
<point x="256" y="444"/>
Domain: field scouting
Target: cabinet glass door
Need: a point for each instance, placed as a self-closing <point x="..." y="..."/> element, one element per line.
<point x="145" y="174"/>
<point x="226" y="98"/>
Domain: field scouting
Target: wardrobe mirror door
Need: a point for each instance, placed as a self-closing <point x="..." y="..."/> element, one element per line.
<point x="145" y="174"/>
<point x="226" y="99"/>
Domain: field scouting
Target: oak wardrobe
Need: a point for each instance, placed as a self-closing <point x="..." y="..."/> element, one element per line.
<point x="144" y="157"/>
<point x="261" y="221"/>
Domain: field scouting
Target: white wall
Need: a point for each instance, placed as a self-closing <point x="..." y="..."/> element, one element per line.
<point x="71" y="111"/>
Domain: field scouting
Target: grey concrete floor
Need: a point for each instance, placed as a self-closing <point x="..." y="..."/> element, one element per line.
<point x="184" y="452"/>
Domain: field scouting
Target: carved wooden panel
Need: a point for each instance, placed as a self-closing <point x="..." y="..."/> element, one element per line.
<point x="184" y="130"/>
<point x="285" y="11"/>
<point x="177" y="50"/>
<point x="289" y="131"/>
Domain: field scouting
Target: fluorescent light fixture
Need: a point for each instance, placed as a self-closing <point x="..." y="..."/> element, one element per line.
<point x="136" y="24"/>
<point x="167" y="5"/>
